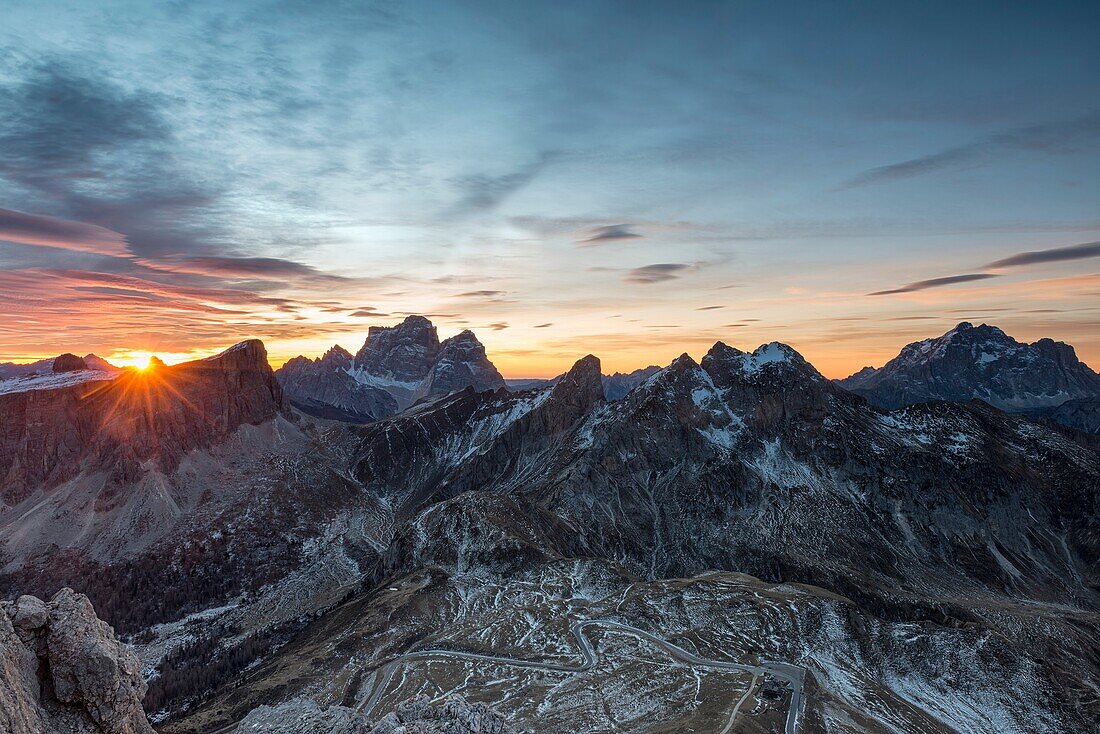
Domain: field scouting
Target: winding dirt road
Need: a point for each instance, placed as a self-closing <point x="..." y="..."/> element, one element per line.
<point x="793" y="675"/>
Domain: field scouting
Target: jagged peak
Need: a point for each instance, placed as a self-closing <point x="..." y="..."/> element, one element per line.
<point x="721" y="350"/>
<point x="68" y="362"/>
<point x="463" y="338"/>
<point x="772" y="358"/>
<point x="584" y="367"/>
<point x="336" y="351"/>
<point x="640" y="371"/>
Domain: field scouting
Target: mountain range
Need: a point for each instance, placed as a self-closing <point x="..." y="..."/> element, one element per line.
<point x="735" y="542"/>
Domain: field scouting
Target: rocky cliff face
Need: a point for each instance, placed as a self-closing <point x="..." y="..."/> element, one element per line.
<point x="1082" y="414"/>
<point x="462" y="363"/>
<point x="979" y="362"/>
<point x="617" y="385"/>
<point x="63" y="670"/>
<point x="396" y="367"/>
<point x="324" y="387"/>
<point x="56" y="429"/>
<point x="404" y="353"/>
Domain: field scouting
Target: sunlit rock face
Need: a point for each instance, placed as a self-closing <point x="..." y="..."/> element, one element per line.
<point x="55" y="429"/>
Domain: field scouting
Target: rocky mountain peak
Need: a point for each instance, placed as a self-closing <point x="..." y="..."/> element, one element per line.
<point x="582" y="384"/>
<point x="979" y="362"/>
<point x="337" y="354"/>
<point x="68" y="363"/>
<point x="774" y="360"/>
<point x="404" y="353"/>
<point x="95" y="362"/>
<point x="397" y="367"/>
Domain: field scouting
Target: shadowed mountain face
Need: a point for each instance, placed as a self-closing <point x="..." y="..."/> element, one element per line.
<point x="979" y="362"/>
<point x="325" y="387"/>
<point x="573" y="559"/>
<point x="396" y="367"/>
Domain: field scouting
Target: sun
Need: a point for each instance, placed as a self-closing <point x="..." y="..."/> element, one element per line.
<point x="140" y="361"/>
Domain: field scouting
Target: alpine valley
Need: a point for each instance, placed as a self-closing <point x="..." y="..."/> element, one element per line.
<point x="399" y="540"/>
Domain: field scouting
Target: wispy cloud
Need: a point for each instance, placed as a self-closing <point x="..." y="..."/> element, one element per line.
<point x="608" y="233"/>
<point x="1052" y="137"/>
<point x="921" y="285"/>
<point x="484" y="192"/>
<point x="480" y="294"/>
<point x="655" y="273"/>
<point x="46" y="231"/>
<point x="1057" y="254"/>
<point x="239" y="267"/>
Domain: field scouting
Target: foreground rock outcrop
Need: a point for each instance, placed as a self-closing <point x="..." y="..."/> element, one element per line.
<point x="63" y="670"/>
<point x="456" y="715"/>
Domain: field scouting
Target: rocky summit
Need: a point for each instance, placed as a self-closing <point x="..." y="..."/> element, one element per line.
<point x="979" y="362"/>
<point x="396" y="367"/>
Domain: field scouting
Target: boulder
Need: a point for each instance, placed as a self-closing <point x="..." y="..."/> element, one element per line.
<point x="63" y="669"/>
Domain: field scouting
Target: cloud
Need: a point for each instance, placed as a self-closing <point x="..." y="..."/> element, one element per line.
<point x="46" y="231"/>
<point x="655" y="273"/>
<point x="608" y="233"/>
<point x="543" y="326"/>
<point x="1058" y="137"/>
<point x="921" y="285"/>
<point x="497" y="326"/>
<point x="480" y="294"/>
<point x="709" y="308"/>
<point x="484" y="192"/>
<point x="1057" y="254"/>
<point x="87" y="149"/>
<point x="240" y="267"/>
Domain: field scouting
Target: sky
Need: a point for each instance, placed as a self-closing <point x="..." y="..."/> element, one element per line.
<point x="629" y="179"/>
